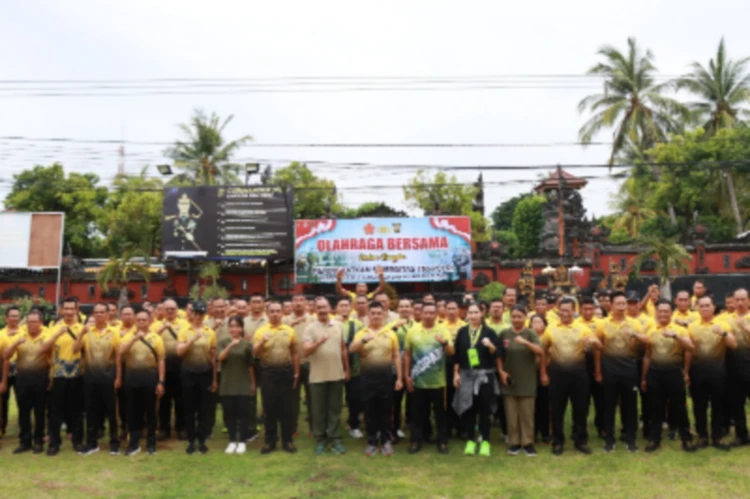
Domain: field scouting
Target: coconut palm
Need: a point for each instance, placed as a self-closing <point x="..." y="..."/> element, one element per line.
<point x="631" y="204"/>
<point x="204" y="155"/>
<point x="632" y="103"/>
<point x="118" y="272"/>
<point x="722" y="89"/>
<point x="671" y="259"/>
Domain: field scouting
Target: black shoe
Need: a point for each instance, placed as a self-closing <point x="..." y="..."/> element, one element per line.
<point x="513" y="450"/>
<point x="652" y="447"/>
<point x="721" y="445"/>
<point x="702" y="443"/>
<point x="414" y="448"/>
<point x="79" y="448"/>
<point x="38" y="449"/>
<point x="557" y="449"/>
<point x="529" y="450"/>
<point x="202" y="448"/>
<point x="688" y="446"/>
<point x="267" y="449"/>
<point x="443" y="449"/>
<point x="53" y="451"/>
<point x="632" y="447"/>
<point x="151" y="449"/>
<point x="609" y="447"/>
<point x="190" y="448"/>
<point x="290" y="448"/>
<point x="22" y="449"/>
<point x="740" y="442"/>
<point x="114" y="449"/>
<point x="132" y="451"/>
<point x="583" y="449"/>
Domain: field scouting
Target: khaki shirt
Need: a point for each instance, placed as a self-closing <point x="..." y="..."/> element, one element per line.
<point x="326" y="363"/>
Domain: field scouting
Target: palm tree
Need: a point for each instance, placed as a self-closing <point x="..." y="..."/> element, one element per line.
<point x="632" y="103"/>
<point x="671" y="259"/>
<point x="631" y="204"/>
<point x="722" y="88"/>
<point x="118" y="272"/>
<point x="209" y="273"/>
<point x="204" y="156"/>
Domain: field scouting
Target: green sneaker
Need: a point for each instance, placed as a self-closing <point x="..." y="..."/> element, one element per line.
<point x="484" y="449"/>
<point x="320" y="449"/>
<point x="338" y="449"/>
<point x="471" y="448"/>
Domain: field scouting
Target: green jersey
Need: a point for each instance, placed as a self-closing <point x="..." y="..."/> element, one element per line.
<point x="427" y="356"/>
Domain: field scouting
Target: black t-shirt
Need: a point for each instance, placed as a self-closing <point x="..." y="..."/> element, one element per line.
<point x="463" y="343"/>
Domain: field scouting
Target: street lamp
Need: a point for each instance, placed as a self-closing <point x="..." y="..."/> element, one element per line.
<point x="164" y="169"/>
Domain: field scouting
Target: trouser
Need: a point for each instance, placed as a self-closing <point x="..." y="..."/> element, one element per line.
<point x="665" y="389"/>
<point x="326" y="420"/>
<point x="377" y="399"/>
<point x="707" y="385"/>
<point x="236" y="409"/>
<point x="739" y="390"/>
<point x="213" y="403"/>
<point x="304" y="382"/>
<point x="196" y="391"/>
<point x="122" y="408"/>
<point x="31" y="399"/>
<point x="625" y="389"/>
<point x="424" y="401"/>
<point x="455" y="422"/>
<point x="172" y="398"/>
<point x="519" y="413"/>
<point x="252" y="420"/>
<point x="645" y="416"/>
<point x="541" y="411"/>
<point x="100" y="405"/>
<point x="500" y="413"/>
<point x="141" y="413"/>
<point x="398" y="409"/>
<point x="481" y="408"/>
<point x="569" y="383"/>
<point x="6" y="403"/>
<point x="354" y="401"/>
<point x="595" y="393"/>
<point x="279" y="394"/>
<point x="66" y="404"/>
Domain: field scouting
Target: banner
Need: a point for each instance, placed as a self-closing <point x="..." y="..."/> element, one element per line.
<point x="228" y="222"/>
<point x="31" y="240"/>
<point x="408" y="249"/>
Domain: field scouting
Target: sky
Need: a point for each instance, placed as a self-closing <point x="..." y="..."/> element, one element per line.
<point x="147" y="40"/>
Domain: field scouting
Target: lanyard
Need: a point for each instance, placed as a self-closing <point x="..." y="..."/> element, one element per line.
<point x="474" y="335"/>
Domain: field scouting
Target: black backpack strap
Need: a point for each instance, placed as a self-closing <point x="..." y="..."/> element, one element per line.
<point x="70" y="332"/>
<point x="156" y="357"/>
<point x="171" y="331"/>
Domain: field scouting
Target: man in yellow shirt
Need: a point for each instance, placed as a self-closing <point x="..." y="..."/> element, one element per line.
<point x="169" y="329"/>
<point x="66" y="395"/>
<point x="126" y="326"/>
<point x="588" y="320"/>
<point x="739" y="366"/>
<point x="275" y="344"/>
<point x="353" y="391"/>
<point x="298" y="320"/>
<point x="101" y="378"/>
<point x="256" y="319"/>
<point x="361" y="288"/>
<point x="32" y="379"/>
<point x="565" y="344"/>
<point x="510" y="298"/>
<point x="377" y="346"/>
<point x="729" y="308"/>
<point x="10" y="331"/>
<point x="662" y="376"/>
<point x="712" y="337"/>
<point x="648" y="304"/>
<point x="495" y="320"/>
<point x="616" y="367"/>
<point x="112" y="319"/>
<point x="683" y="316"/>
<point x="699" y="291"/>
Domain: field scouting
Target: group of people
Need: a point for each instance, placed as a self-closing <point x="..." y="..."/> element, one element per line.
<point x="453" y="365"/>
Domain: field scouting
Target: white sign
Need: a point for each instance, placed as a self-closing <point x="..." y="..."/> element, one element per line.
<point x="15" y="234"/>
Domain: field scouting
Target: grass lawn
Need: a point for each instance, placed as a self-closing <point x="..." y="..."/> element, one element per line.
<point x="171" y="473"/>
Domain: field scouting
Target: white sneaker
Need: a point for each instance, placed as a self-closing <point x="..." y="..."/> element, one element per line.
<point x="355" y="434"/>
<point x="400" y="434"/>
<point x="231" y="448"/>
<point x="241" y="448"/>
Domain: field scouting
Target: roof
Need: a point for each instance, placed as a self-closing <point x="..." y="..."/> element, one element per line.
<point x="553" y="181"/>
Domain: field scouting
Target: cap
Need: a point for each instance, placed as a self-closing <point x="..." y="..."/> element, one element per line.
<point x="199" y="307"/>
<point x="633" y="297"/>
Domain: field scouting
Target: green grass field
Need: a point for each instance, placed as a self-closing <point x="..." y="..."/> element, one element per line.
<point x="171" y="473"/>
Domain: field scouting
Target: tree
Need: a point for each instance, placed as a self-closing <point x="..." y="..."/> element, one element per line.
<point x="502" y="216"/>
<point x="118" y="271"/>
<point x="632" y="103"/>
<point x="133" y="215"/>
<point x="204" y="155"/>
<point x="314" y="197"/>
<point x="491" y="291"/>
<point x="209" y="287"/>
<point x="527" y="225"/>
<point x="374" y="209"/>
<point x="440" y="194"/>
<point x="722" y="89"/>
<point x="631" y="203"/>
<point x="46" y="188"/>
<point x="671" y="259"/>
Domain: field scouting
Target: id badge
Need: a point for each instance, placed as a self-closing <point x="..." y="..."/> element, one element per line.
<point x="473" y="357"/>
